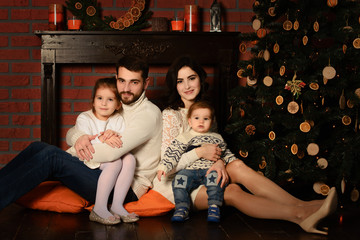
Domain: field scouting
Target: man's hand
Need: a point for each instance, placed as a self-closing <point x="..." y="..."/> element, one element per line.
<point x="159" y="174"/>
<point x="84" y="148"/>
<point x="209" y="151"/>
<point x="219" y="167"/>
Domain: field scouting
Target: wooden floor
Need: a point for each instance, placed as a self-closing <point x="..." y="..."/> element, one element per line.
<point x="18" y="223"/>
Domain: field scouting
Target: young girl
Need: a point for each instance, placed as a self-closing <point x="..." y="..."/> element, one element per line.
<point x="265" y="199"/>
<point x="105" y="121"/>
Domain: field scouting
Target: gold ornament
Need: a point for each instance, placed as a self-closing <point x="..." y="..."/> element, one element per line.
<point x="294" y="149"/>
<point x="279" y="100"/>
<point x="243" y="153"/>
<point x="314" y="86"/>
<point x="342" y="100"/>
<point x="276" y="48"/>
<point x="263" y="164"/>
<point x="271" y="11"/>
<point x="312" y="149"/>
<point x="356" y="43"/>
<point x="78" y="5"/>
<point x="296" y="25"/>
<point x="266" y="55"/>
<point x="293" y="107"/>
<point x="354" y="196"/>
<point x="344" y="48"/>
<point x="251" y="81"/>
<point x="305" y="127"/>
<point x="272" y="135"/>
<point x="332" y="3"/>
<point x="329" y="72"/>
<point x="287" y="25"/>
<point x="242" y="47"/>
<point x="282" y="70"/>
<point x="322" y="163"/>
<point x="261" y="33"/>
<point x="343" y="184"/>
<point x="91" y="11"/>
<point x="305" y="40"/>
<point x="250" y="129"/>
<point x="357" y="92"/>
<point x="256" y="24"/>
<point x="316" y="26"/>
<point x="324" y="189"/>
<point x="240" y="72"/>
<point x="300" y="154"/>
<point x="350" y="104"/>
<point x="346" y="120"/>
<point x="268" y="81"/>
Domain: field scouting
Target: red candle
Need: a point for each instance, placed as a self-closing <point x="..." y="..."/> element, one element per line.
<point x="74" y="23"/>
<point x="177" y="25"/>
<point x="191" y="18"/>
<point x="56" y="17"/>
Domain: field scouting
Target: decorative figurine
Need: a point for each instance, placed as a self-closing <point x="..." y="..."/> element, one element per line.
<point x="215" y="17"/>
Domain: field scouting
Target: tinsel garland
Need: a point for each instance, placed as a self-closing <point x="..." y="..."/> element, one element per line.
<point x="89" y="11"/>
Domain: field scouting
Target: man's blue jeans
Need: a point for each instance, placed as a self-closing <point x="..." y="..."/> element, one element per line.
<point x="40" y="162"/>
<point x="187" y="180"/>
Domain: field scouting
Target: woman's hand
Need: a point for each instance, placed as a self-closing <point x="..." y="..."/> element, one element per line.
<point x="209" y="151"/>
<point x="219" y="167"/>
<point x="107" y="135"/>
<point x="160" y="173"/>
<point x="84" y="148"/>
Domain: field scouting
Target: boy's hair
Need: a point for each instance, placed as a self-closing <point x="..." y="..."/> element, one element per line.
<point x="134" y="64"/>
<point x="202" y="104"/>
<point x="110" y="83"/>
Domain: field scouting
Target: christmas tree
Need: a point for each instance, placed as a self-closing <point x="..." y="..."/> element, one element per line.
<point x="297" y="118"/>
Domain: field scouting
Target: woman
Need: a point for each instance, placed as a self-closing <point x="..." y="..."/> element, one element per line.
<point x="186" y="83"/>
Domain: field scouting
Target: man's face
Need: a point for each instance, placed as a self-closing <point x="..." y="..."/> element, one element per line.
<point x="130" y="85"/>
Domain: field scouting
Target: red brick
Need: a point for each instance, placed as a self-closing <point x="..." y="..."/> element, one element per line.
<point x="76" y="94"/>
<point x="246" y="4"/>
<point x="40" y="26"/>
<point x="4" y="94"/>
<point x="37" y="132"/>
<point x="6" y="158"/>
<point x="4" y="67"/>
<point x="82" y="81"/>
<point x="26" y="41"/>
<point x="30" y="67"/>
<point x="26" y="120"/>
<point x="65" y="81"/>
<point x="245" y="28"/>
<point x="173" y="3"/>
<point x="4" y="41"/>
<point x="36" y="107"/>
<point x="14" y="107"/>
<point x="14" y="3"/>
<point x="114" y="13"/>
<point x="65" y="107"/>
<point x="36" y="80"/>
<point x="4" y="14"/>
<point x="160" y="81"/>
<point x="81" y="106"/>
<point x="76" y="68"/>
<point x="69" y="119"/>
<point x="31" y="14"/>
<point x="40" y="3"/>
<point x="106" y="3"/>
<point x="14" y="27"/>
<point x="4" y="146"/>
<point x="36" y="54"/>
<point x="158" y="69"/>
<point x="12" y="54"/>
<point x="154" y="93"/>
<point x="14" y="80"/>
<point x="239" y="17"/>
<point x="4" y="120"/>
<point x="14" y="133"/>
<point x="26" y="93"/>
<point x="20" y="145"/>
<point x="63" y="144"/>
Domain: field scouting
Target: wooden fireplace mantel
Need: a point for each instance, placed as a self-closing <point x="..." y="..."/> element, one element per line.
<point x="159" y="48"/>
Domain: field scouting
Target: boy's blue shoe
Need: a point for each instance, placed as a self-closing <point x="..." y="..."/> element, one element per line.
<point x="180" y="215"/>
<point x="213" y="214"/>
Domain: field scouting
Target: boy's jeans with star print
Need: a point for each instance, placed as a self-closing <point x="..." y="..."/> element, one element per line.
<point x="187" y="180"/>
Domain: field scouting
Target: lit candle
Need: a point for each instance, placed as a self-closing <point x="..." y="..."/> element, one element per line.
<point x="56" y="17"/>
<point x="74" y="23"/>
<point x="191" y="18"/>
<point x="177" y="25"/>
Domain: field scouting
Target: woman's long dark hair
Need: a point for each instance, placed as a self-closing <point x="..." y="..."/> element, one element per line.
<point x="173" y="98"/>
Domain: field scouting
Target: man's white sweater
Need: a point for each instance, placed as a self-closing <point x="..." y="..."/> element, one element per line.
<point x="142" y="138"/>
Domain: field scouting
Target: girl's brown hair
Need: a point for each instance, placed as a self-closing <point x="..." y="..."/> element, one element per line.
<point x="106" y="83"/>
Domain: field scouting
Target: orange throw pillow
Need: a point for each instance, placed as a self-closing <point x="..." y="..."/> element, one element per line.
<point x="53" y="196"/>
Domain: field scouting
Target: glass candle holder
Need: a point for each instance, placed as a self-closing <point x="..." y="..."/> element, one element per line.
<point x="191" y="18"/>
<point x="56" y="17"/>
<point x="177" y="24"/>
<point x="74" y="23"/>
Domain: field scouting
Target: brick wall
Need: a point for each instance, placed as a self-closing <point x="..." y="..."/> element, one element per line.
<point x="20" y="64"/>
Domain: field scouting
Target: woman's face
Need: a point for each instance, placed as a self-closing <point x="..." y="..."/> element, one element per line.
<point x="188" y="85"/>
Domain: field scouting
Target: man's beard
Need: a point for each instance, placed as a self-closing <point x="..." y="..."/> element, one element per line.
<point x="129" y="100"/>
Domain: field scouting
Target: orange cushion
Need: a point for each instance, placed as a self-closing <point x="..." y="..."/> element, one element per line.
<point x="150" y="204"/>
<point x="53" y="196"/>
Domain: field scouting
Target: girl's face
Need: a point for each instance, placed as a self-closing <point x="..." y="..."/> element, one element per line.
<point x="105" y="103"/>
<point x="200" y="120"/>
<point x="188" y="85"/>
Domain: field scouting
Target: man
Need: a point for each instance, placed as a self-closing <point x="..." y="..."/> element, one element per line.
<point x="143" y="121"/>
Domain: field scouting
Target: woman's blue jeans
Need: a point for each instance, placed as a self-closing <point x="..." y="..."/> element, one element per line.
<point x="39" y="162"/>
